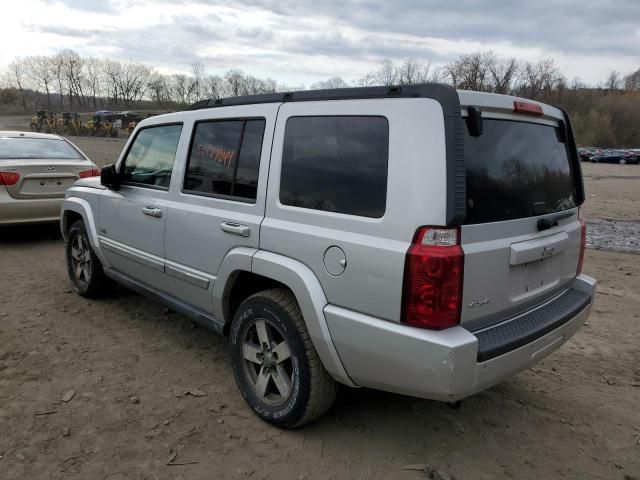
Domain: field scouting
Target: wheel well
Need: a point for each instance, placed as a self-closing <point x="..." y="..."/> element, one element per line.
<point x="70" y="218"/>
<point x="244" y="285"/>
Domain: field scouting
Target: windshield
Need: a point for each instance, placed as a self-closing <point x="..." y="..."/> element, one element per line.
<point x="516" y="170"/>
<point x="24" y="148"/>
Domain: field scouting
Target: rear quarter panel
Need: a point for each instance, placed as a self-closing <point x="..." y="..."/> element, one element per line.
<point x="375" y="248"/>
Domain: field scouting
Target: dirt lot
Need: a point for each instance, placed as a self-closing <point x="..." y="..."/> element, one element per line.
<point x="130" y="366"/>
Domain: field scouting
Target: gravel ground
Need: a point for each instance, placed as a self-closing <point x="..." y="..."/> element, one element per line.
<point x="117" y="388"/>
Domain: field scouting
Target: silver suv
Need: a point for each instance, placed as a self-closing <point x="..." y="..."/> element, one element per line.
<point x="420" y="240"/>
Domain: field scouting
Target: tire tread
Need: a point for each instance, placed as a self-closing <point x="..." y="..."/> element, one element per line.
<point x="323" y="388"/>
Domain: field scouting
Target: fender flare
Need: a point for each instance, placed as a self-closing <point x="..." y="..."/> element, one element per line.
<point x="82" y="207"/>
<point x="312" y="301"/>
<point x="237" y="260"/>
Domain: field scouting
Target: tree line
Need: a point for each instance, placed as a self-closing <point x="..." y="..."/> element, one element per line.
<point x="606" y="115"/>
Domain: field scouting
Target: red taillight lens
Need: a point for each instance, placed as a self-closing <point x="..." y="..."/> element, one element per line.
<point x="9" y="178"/>
<point x="583" y="244"/>
<point x="527" y="108"/>
<point x="94" y="172"/>
<point x="434" y="268"/>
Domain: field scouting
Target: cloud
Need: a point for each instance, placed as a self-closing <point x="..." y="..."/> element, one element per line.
<point x="306" y="40"/>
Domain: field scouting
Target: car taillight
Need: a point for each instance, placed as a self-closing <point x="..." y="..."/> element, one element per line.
<point x="583" y="244"/>
<point x="9" y="178"/>
<point x="527" y="108"/>
<point x="94" y="172"/>
<point x="433" y="273"/>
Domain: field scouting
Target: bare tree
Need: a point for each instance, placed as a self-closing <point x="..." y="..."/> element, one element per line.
<point x="111" y="73"/>
<point x="93" y="78"/>
<point x="197" y="85"/>
<point x="613" y="81"/>
<point x="179" y="88"/>
<point x="234" y="80"/>
<point x="19" y="78"/>
<point x="39" y="69"/>
<point x="632" y="81"/>
<point x="503" y="75"/>
<point x="133" y="81"/>
<point x="72" y="67"/>
<point x="472" y="71"/>
<point x="539" y="78"/>
<point x="333" y="82"/>
<point x="387" y="74"/>
<point x="215" y="86"/>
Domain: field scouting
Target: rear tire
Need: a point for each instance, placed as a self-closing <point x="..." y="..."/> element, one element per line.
<point x="83" y="266"/>
<point x="275" y="364"/>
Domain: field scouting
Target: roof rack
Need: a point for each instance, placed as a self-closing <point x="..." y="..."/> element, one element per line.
<point x="437" y="91"/>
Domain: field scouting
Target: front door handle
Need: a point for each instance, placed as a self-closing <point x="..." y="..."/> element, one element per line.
<point x="235" y="229"/>
<point x="152" y="211"/>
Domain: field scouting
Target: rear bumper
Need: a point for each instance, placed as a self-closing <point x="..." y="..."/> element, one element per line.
<point x="439" y="365"/>
<point x="21" y="211"/>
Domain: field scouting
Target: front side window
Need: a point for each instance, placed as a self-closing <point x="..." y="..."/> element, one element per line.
<point x="225" y="158"/>
<point x="150" y="158"/>
<point x="336" y="164"/>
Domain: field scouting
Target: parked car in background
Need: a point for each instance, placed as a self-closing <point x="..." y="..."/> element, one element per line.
<point x="35" y="171"/>
<point x="587" y="152"/>
<point x="616" y="156"/>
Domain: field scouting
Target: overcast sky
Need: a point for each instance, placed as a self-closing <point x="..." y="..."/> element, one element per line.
<point x="300" y="42"/>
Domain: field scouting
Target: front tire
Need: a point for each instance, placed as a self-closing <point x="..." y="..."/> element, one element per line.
<point x="83" y="266"/>
<point x="275" y="364"/>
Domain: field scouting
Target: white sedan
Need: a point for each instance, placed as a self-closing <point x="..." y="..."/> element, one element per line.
<point x="35" y="171"/>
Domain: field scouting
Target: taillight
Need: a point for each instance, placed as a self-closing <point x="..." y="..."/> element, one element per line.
<point x="527" y="108"/>
<point x="94" y="172"/>
<point x="583" y="244"/>
<point x="9" y="178"/>
<point x="433" y="273"/>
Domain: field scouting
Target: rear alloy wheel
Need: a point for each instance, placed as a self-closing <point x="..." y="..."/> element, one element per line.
<point x="83" y="266"/>
<point x="267" y="362"/>
<point x="274" y="362"/>
<point x="623" y="161"/>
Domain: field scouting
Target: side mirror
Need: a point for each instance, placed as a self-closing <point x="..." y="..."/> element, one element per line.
<point x="109" y="177"/>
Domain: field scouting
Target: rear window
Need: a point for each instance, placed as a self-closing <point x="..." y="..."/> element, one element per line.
<point x="516" y="170"/>
<point x="23" y="148"/>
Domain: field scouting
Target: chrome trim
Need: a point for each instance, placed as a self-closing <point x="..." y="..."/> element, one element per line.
<point x="192" y="278"/>
<point x="131" y="254"/>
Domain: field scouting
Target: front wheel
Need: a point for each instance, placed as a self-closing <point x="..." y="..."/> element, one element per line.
<point x="83" y="266"/>
<point x="275" y="364"/>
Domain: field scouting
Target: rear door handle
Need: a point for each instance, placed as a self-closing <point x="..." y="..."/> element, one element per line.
<point x="235" y="229"/>
<point x="152" y="211"/>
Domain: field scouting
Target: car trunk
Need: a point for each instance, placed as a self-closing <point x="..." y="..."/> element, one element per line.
<point x="42" y="178"/>
<point x="521" y="237"/>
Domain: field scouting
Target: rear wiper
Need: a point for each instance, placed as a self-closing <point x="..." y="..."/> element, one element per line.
<point x="550" y="222"/>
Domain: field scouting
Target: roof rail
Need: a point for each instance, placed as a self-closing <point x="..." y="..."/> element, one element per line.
<point x="436" y="91"/>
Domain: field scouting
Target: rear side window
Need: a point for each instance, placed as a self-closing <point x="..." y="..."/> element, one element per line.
<point x="517" y="170"/>
<point x="150" y="158"/>
<point x="225" y="158"/>
<point x="336" y="164"/>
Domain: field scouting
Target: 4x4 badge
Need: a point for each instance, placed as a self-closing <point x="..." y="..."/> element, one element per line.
<point x="479" y="303"/>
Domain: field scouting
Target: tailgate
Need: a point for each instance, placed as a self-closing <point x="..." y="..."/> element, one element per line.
<point x="522" y="234"/>
<point x="511" y="266"/>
